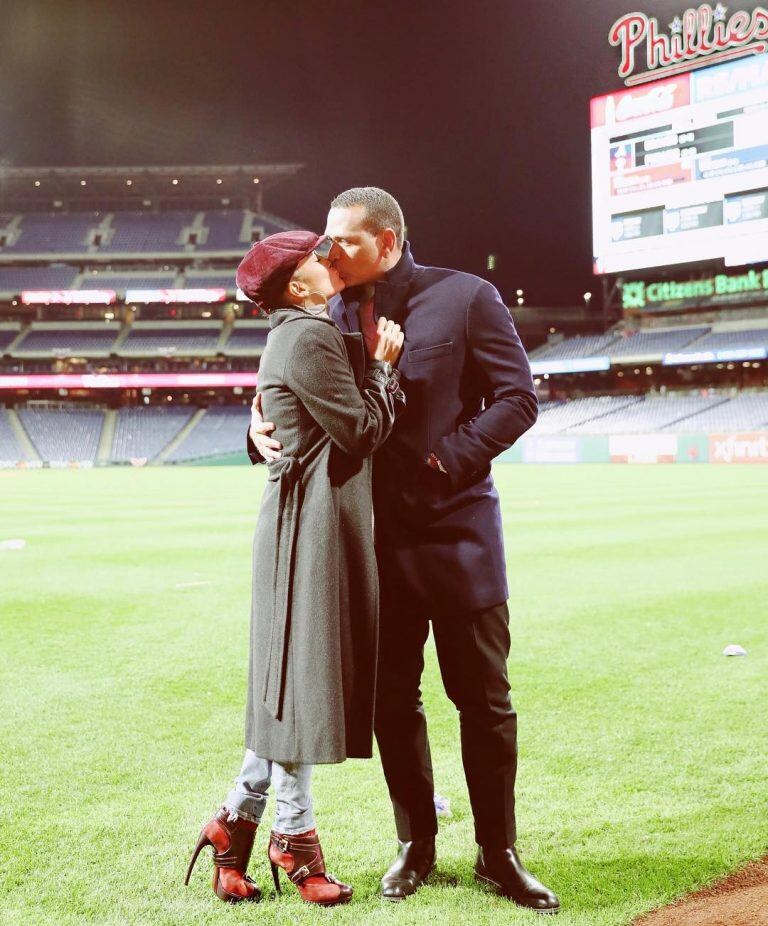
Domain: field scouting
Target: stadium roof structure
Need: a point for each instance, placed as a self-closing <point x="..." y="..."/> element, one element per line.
<point x="180" y="186"/>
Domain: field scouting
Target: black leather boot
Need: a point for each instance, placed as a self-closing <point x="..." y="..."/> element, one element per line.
<point x="503" y="870"/>
<point x="407" y="873"/>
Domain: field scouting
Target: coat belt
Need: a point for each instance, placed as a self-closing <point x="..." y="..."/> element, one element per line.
<point x="286" y="471"/>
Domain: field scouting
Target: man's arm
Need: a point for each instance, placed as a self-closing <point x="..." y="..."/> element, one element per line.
<point x="260" y="447"/>
<point x="511" y="406"/>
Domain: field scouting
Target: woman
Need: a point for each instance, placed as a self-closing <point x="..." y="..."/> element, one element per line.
<point x="315" y="593"/>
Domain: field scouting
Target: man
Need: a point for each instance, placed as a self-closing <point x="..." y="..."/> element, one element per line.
<point x="439" y="540"/>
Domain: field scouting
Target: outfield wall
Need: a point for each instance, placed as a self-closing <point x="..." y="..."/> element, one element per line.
<point x="730" y="447"/>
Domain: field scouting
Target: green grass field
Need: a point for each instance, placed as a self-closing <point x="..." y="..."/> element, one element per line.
<point x="123" y="655"/>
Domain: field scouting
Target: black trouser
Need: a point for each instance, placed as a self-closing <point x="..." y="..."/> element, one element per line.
<point x="472" y="650"/>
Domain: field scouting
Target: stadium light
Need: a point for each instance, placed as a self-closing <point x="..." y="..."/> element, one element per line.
<point x="587" y="297"/>
<point x="129" y="182"/>
<point x="175" y="182"/>
<point x="37" y="183"/>
<point x="82" y="183"/>
<point x="219" y="180"/>
<point x="519" y="292"/>
<point x="255" y="179"/>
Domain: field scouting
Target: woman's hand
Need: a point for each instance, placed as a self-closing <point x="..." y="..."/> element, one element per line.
<point x="390" y="343"/>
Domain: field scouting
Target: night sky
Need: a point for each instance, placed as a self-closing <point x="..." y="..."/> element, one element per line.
<point x="474" y="115"/>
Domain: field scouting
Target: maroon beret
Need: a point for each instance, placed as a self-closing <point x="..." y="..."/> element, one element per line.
<point x="265" y="270"/>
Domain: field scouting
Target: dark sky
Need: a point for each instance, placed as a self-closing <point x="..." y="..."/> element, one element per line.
<point x="475" y="115"/>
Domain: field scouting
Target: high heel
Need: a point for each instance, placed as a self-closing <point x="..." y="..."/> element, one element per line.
<point x="301" y="858"/>
<point x="276" y="877"/>
<point x="232" y="842"/>
<point x="202" y="842"/>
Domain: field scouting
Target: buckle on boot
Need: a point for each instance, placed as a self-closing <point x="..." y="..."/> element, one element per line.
<point x="282" y="843"/>
<point x="300" y="874"/>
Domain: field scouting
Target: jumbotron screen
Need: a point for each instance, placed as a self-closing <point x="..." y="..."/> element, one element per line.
<point x="680" y="169"/>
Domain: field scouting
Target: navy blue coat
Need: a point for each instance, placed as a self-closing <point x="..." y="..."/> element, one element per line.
<point x="469" y="396"/>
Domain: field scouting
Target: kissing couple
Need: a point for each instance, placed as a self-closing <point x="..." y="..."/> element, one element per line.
<point x="386" y="389"/>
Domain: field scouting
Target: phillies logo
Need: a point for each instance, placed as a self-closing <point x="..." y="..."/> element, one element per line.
<point x="704" y="32"/>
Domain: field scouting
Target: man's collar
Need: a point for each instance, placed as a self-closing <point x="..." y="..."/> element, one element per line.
<point x="392" y="289"/>
<point x="391" y="293"/>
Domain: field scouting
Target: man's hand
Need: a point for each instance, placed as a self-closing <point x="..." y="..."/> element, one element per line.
<point x="268" y="447"/>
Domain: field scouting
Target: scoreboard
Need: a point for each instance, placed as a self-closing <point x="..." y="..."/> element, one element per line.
<point x="680" y="170"/>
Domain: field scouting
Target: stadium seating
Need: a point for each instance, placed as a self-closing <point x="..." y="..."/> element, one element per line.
<point x="7" y="336"/>
<point x="148" y="339"/>
<point x="618" y="345"/>
<point x="731" y="340"/>
<point x="63" y="435"/>
<point x="53" y="233"/>
<point x="220" y="430"/>
<point x="85" y="340"/>
<point x="654" y="342"/>
<point x="135" y="232"/>
<point x="564" y="416"/>
<point x="202" y="280"/>
<point x="572" y="348"/>
<point x="142" y="433"/>
<point x="246" y="340"/>
<point x="747" y="412"/>
<point x="648" y="414"/>
<point x="10" y="451"/>
<point x="120" y="282"/>
<point x="223" y="231"/>
<point x="14" y="280"/>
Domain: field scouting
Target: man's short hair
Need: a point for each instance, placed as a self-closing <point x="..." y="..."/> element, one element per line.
<point x="382" y="210"/>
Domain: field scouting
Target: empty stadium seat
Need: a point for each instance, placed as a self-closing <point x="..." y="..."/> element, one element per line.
<point x="10" y="450"/>
<point x="148" y="231"/>
<point x="53" y="233"/>
<point x="573" y="348"/>
<point x="655" y="342"/>
<point x="220" y="430"/>
<point x="14" y="280"/>
<point x="748" y="412"/>
<point x="83" y="341"/>
<point x="731" y="340"/>
<point x="649" y="414"/>
<point x="246" y="340"/>
<point x="63" y="435"/>
<point x="148" y="340"/>
<point x="565" y="416"/>
<point x="143" y="432"/>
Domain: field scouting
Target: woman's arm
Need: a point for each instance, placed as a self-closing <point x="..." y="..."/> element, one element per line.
<point x="358" y="420"/>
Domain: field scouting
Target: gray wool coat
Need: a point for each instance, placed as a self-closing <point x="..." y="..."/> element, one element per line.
<point x="314" y="616"/>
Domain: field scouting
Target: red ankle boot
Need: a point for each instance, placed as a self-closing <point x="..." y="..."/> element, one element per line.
<point x="232" y="841"/>
<point x="301" y="858"/>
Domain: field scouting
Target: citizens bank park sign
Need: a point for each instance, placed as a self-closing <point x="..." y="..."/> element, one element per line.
<point x="746" y="287"/>
<point x="699" y="37"/>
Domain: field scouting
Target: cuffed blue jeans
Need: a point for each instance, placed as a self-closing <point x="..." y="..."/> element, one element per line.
<point x="293" y="794"/>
